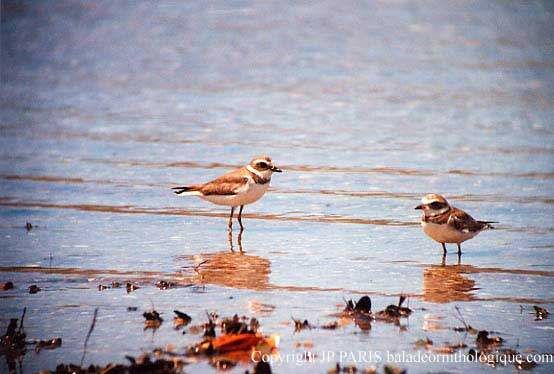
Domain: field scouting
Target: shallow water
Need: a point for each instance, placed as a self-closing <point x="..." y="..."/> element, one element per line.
<point x="366" y="107"/>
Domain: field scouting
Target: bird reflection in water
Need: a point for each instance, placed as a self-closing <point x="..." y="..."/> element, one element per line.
<point x="446" y="283"/>
<point x="232" y="269"/>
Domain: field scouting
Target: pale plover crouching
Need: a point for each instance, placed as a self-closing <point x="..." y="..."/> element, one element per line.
<point x="236" y="188"/>
<point x="447" y="224"/>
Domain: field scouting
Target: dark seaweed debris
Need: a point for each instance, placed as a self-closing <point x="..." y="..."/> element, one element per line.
<point x="48" y="344"/>
<point x="236" y="325"/>
<point x="115" y="284"/>
<point x="209" y="327"/>
<point x="34" y="289"/>
<point x="164" y="285"/>
<point x="152" y="320"/>
<point x="362" y="306"/>
<point x="362" y="315"/>
<point x="390" y="312"/>
<point x="393" y="312"/>
<point x="14" y="338"/>
<point x="485" y="342"/>
<point x="359" y="312"/>
<point x="13" y="344"/>
<point x="6" y="286"/>
<point x="131" y="287"/>
<point x="142" y="364"/>
<point x="540" y="313"/>
<point x="262" y="368"/>
<point x="300" y="325"/>
<point x="181" y="319"/>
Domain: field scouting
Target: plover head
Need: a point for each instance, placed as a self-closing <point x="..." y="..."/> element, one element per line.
<point x="433" y="205"/>
<point x="263" y="166"/>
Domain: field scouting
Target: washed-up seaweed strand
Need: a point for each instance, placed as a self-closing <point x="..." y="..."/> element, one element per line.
<point x="88" y="335"/>
<point x="22" y="318"/>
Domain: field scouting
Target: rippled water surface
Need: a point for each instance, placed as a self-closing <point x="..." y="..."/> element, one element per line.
<point x="365" y="106"/>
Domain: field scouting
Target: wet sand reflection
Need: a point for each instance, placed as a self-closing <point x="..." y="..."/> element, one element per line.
<point x="232" y="269"/>
<point x="445" y="283"/>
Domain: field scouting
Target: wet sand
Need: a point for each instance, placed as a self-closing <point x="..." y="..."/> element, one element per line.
<point x="365" y="107"/>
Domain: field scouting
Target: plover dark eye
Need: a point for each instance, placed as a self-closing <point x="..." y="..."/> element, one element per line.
<point x="262" y="165"/>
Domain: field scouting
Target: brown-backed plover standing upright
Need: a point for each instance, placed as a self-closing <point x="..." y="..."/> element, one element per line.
<point x="447" y="224"/>
<point x="236" y="188"/>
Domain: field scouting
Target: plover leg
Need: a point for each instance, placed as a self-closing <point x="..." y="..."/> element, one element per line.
<point x="239" y="241"/>
<point x="230" y="229"/>
<point x="239" y="218"/>
<point x="459" y="249"/>
<point x="241" y="227"/>
<point x="443" y="248"/>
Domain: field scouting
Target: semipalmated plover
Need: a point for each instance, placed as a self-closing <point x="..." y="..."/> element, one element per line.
<point x="236" y="189"/>
<point x="447" y="224"/>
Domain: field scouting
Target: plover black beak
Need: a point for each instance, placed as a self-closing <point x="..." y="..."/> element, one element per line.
<point x="275" y="169"/>
<point x="419" y="206"/>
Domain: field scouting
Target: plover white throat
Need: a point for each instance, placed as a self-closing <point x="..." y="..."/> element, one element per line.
<point x="447" y="224"/>
<point x="236" y="188"/>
